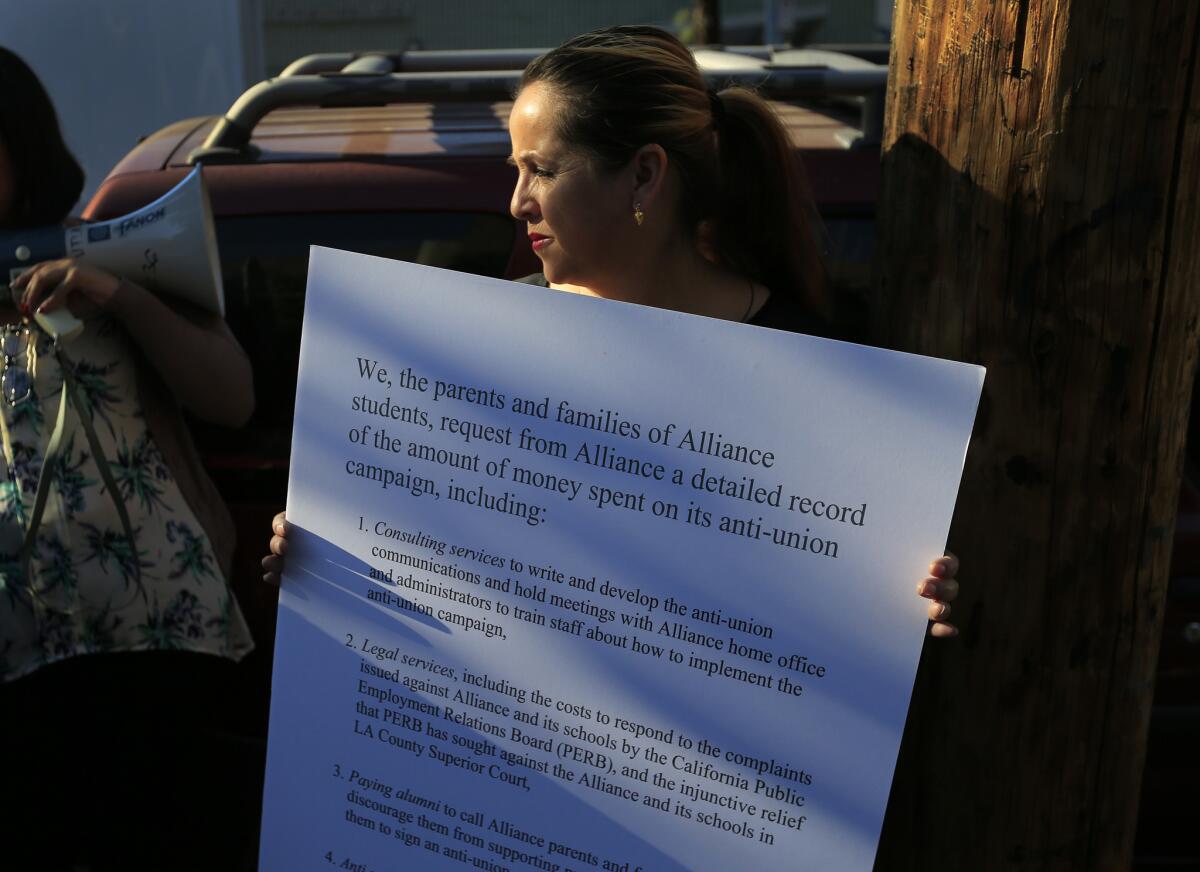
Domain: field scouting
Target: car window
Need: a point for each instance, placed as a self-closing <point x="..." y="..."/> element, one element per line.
<point x="264" y="260"/>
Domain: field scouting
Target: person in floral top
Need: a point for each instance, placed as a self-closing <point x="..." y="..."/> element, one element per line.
<point x="115" y="586"/>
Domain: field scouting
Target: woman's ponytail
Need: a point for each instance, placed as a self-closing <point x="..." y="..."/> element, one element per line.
<point x="765" y="224"/>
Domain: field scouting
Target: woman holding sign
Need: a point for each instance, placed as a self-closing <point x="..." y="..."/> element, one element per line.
<point x="637" y="183"/>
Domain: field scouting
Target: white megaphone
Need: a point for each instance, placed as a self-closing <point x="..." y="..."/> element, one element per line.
<point x="169" y="246"/>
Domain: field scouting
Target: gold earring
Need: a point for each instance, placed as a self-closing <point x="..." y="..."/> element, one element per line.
<point x="638" y="215"/>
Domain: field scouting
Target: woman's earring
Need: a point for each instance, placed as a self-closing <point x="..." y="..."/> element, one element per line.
<point x="638" y="215"/>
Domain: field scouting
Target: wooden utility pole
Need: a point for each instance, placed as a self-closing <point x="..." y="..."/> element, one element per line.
<point x="1040" y="216"/>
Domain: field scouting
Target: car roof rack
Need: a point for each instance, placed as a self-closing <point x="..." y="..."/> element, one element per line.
<point x="381" y="78"/>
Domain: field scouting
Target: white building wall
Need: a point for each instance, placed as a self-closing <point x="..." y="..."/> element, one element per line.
<point x="121" y="69"/>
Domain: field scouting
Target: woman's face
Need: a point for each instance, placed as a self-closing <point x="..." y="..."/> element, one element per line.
<point x="578" y="217"/>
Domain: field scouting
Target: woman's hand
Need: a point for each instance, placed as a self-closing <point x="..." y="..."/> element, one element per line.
<point x="272" y="564"/>
<point x="940" y="588"/>
<point x="48" y="286"/>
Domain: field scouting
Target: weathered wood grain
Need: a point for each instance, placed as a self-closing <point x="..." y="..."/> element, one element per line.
<point x="1040" y="216"/>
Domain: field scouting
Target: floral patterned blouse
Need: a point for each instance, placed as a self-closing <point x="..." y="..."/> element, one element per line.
<point x="82" y="594"/>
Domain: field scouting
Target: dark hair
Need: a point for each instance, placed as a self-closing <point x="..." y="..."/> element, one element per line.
<point x="47" y="178"/>
<point x="625" y="87"/>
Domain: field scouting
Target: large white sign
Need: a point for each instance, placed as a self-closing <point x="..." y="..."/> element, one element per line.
<point x="585" y="585"/>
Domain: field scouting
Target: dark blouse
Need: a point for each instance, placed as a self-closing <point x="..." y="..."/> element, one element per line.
<point x="779" y="312"/>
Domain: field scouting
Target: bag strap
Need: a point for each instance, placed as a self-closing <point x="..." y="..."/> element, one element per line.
<point x="50" y="464"/>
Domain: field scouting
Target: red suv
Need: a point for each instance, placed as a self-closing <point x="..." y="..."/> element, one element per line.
<point x="345" y="152"/>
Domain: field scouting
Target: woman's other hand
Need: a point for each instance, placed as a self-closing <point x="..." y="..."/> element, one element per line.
<point x="940" y="588"/>
<point x="48" y="286"/>
<point x="272" y="564"/>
